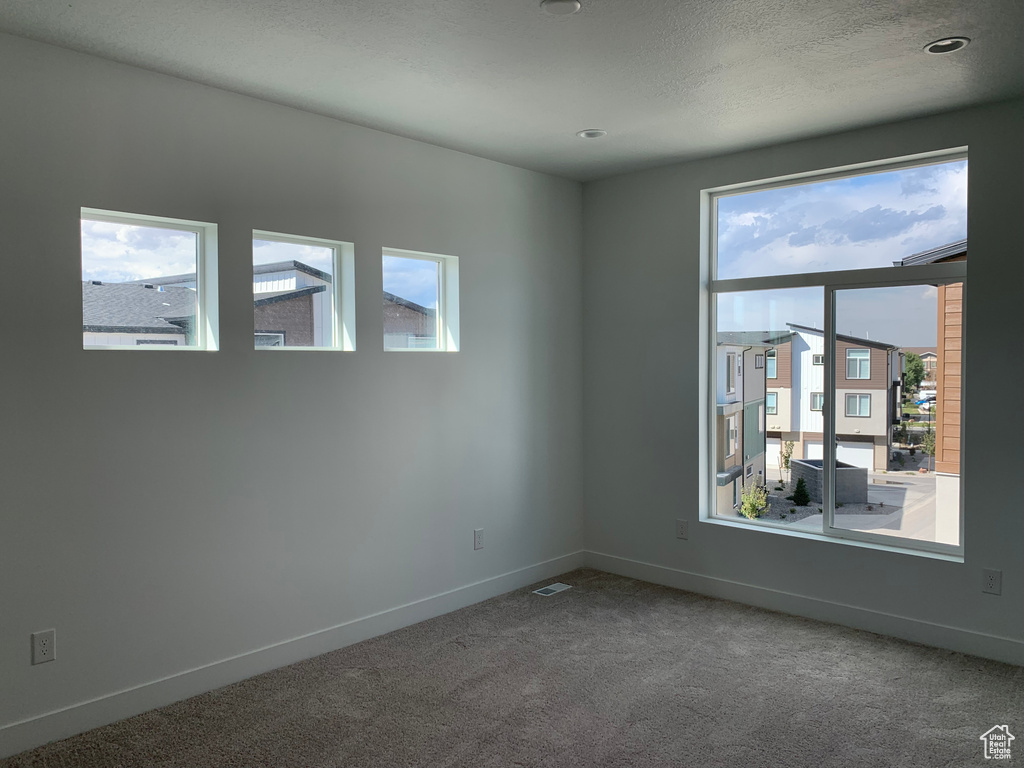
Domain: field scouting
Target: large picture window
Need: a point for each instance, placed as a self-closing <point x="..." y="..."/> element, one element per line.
<point x="834" y="278"/>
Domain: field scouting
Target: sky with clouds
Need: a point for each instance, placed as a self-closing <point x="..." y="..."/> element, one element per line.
<point x="853" y="223"/>
<point x="118" y="253"/>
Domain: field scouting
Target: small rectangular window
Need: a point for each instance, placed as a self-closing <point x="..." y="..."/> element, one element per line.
<point x="771" y="401"/>
<point x="858" y="405"/>
<point x="817" y="401"/>
<point x="421" y="301"/>
<point x="303" y="294"/>
<point x="818" y="360"/>
<point x="858" y="363"/>
<point x="148" y="281"/>
<point x="771" y="365"/>
<point x="750" y="470"/>
<point x="731" y="435"/>
<point x="730" y="373"/>
<point x="758" y="361"/>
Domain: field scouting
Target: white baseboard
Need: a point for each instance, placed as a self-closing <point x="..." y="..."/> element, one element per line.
<point x="32" y="732"/>
<point x="926" y="633"/>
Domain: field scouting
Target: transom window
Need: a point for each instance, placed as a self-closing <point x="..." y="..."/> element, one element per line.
<point x="834" y="277"/>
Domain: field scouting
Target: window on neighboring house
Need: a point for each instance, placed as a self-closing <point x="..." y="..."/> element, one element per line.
<point x="750" y="471"/>
<point x="731" y="436"/>
<point x="819" y="286"/>
<point x="858" y="405"/>
<point x="148" y="281"/>
<point x="760" y="418"/>
<point x="421" y="301"/>
<point x="303" y="292"/>
<point x="730" y="374"/>
<point x="858" y="363"/>
<point x="758" y="361"/>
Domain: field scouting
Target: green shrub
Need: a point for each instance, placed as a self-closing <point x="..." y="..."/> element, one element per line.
<point x="792" y="510"/>
<point x="800" y="495"/>
<point x="753" y="501"/>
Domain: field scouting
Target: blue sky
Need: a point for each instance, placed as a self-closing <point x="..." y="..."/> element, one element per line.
<point x="867" y="221"/>
<point x="412" y="279"/>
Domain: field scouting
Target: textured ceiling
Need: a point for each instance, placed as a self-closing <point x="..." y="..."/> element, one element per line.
<point x="668" y="79"/>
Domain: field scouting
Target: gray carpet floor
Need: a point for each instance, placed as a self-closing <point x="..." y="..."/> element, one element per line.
<point x="613" y="672"/>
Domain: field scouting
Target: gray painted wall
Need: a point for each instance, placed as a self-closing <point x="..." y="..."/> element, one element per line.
<point x="641" y="403"/>
<point x="166" y="511"/>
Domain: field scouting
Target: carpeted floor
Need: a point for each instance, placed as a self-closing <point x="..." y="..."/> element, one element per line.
<point x="613" y="672"/>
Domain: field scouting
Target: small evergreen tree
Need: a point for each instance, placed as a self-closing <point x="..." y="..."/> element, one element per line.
<point x="800" y="495"/>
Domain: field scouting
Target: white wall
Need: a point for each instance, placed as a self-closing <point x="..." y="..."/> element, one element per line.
<point x="642" y="404"/>
<point x="146" y="515"/>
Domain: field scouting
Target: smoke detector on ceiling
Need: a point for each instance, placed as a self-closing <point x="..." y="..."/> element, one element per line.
<point x="947" y="45"/>
<point x="560" y="7"/>
<point x="592" y="133"/>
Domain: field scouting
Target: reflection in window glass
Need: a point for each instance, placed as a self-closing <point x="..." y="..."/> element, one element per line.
<point x="412" y="292"/>
<point x="138" y="285"/>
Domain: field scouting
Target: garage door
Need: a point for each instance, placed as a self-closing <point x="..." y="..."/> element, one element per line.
<point x="812" y="449"/>
<point x="772" y="449"/>
<point x="857" y="454"/>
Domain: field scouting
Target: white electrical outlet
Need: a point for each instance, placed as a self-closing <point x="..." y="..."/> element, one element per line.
<point x="682" y="529"/>
<point x="478" y="538"/>
<point x="44" y="646"/>
<point x="992" y="581"/>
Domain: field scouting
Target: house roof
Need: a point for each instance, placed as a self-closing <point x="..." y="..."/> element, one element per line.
<point x="136" y="308"/>
<point x="284" y="266"/>
<point x="390" y="298"/>
<point x="844" y="337"/>
<point x="932" y="255"/>
<point x="921" y="351"/>
<point x="753" y="338"/>
<point x="274" y="297"/>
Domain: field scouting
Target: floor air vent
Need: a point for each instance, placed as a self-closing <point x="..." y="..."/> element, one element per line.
<point x="552" y="589"/>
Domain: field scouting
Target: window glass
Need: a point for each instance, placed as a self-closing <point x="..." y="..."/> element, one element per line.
<point x="139" y="284"/>
<point x="293" y="285"/>
<point x="412" y="292"/>
<point x="858" y="363"/>
<point x="771" y="371"/>
<point x="817" y="401"/>
<point x="857" y="222"/>
<point x="771" y="403"/>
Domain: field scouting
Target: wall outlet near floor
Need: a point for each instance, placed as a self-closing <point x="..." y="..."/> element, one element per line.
<point x="992" y="581"/>
<point x="44" y="646"/>
<point x="682" y="529"/>
<point x="478" y="538"/>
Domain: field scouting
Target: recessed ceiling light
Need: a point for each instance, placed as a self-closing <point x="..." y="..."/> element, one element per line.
<point x="947" y="45"/>
<point x="592" y="133"/>
<point x="561" y="7"/>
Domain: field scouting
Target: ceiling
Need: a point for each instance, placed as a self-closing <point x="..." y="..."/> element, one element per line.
<point x="668" y="79"/>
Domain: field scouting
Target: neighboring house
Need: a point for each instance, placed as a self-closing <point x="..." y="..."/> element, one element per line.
<point x="292" y="307"/>
<point x="740" y="413"/>
<point x="930" y="359"/>
<point x="948" y="382"/>
<point x="867" y="397"/>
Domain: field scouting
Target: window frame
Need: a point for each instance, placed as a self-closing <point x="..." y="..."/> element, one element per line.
<point x="860" y="396"/>
<point x="773" y="409"/>
<point x="771" y="363"/>
<point x="207" y="326"/>
<point x="343" y="293"/>
<point x="821" y="401"/>
<point x="817" y="359"/>
<point x="447" y="319"/>
<point x="829" y="282"/>
<point x="860" y="360"/>
<point x="730" y="373"/>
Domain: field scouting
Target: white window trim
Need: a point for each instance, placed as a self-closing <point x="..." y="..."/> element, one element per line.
<point x="207" y="316"/>
<point x="772" y="355"/>
<point x="343" y="291"/>
<point x="774" y="409"/>
<point x="817" y="359"/>
<point x="730" y="373"/>
<point x="859" y="360"/>
<point x="817" y="410"/>
<point x="876" y="277"/>
<point x="731" y="442"/>
<point x="447" y="299"/>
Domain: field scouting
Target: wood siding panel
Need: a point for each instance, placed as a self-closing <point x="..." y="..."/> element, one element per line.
<point x="879" y="368"/>
<point x="949" y="378"/>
